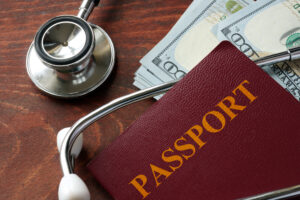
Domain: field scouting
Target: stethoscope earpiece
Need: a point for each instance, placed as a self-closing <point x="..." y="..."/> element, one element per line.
<point x="72" y="187"/>
<point x="70" y="57"/>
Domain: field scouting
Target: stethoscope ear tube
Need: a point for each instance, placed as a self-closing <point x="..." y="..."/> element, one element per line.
<point x="289" y="55"/>
<point x="86" y="8"/>
<point x="84" y="122"/>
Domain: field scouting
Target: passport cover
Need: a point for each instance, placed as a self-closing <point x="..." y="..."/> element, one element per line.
<point x="225" y="131"/>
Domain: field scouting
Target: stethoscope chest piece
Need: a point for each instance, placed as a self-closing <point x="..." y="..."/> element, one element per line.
<point x="70" y="57"/>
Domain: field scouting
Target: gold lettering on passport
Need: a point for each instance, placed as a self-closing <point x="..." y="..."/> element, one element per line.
<point x="233" y="106"/>
<point x="212" y="122"/>
<point x="184" y="147"/>
<point x="172" y="159"/>
<point x="139" y="182"/>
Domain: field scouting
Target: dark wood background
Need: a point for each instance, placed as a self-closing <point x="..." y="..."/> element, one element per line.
<point x="30" y="120"/>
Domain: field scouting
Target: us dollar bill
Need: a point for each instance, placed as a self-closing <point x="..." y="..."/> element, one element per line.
<point x="145" y="78"/>
<point x="263" y="29"/>
<point x="190" y="40"/>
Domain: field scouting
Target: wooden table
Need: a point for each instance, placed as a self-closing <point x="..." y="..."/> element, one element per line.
<point x="30" y="120"/>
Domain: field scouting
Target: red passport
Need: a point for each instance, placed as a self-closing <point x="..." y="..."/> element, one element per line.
<point x="225" y="131"/>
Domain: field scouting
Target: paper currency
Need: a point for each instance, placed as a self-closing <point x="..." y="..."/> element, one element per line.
<point x="257" y="28"/>
<point x="266" y="28"/>
<point x="287" y="74"/>
<point x="191" y="40"/>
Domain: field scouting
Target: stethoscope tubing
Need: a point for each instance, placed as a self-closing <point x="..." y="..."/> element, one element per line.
<point x="84" y="122"/>
<point x="86" y="8"/>
<point x="67" y="162"/>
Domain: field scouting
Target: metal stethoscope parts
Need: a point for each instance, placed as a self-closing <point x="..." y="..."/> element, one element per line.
<point x="70" y="57"/>
<point x="70" y="139"/>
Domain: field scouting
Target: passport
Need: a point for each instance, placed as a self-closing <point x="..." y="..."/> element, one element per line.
<point x="225" y="131"/>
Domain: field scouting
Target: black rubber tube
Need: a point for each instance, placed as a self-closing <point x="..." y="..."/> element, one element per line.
<point x="39" y="36"/>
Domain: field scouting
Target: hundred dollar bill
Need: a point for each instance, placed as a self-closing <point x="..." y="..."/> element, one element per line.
<point x="144" y="75"/>
<point x="141" y="83"/>
<point x="262" y="29"/>
<point x="141" y="78"/>
<point x="152" y="74"/>
<point x="148" y="76"/>
<point x="266" y="28"/>
<point x="191" y="40"/>
<point x="287" y="74"/>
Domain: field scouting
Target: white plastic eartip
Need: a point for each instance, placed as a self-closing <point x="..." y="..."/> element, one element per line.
<point x="71" y="187"/>
<point x="77" y="145"/>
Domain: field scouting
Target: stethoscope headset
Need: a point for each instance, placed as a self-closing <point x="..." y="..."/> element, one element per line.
<point x="70" y="57"/>
<point x="70" y="140"/>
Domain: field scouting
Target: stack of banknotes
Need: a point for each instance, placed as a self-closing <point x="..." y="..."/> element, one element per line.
<point x="257" y="27"/>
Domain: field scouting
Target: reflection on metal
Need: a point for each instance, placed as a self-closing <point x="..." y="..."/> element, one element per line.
<point x="291" y="54"/>
<point x="70" y="57"/>
<point x="277" y="194"/>
<point x="77" y="80"/>
<point x="63" y="40"/>
<point x="84" y="122"/>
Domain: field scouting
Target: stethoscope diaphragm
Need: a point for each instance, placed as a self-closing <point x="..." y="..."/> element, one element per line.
<point x="64" y="40"/>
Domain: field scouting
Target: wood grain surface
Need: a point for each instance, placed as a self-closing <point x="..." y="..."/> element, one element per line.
<point x="30" y="120"/>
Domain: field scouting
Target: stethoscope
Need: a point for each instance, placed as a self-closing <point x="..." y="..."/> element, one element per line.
<point x="70" y="57"/>
<point x="69" y="140"/>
